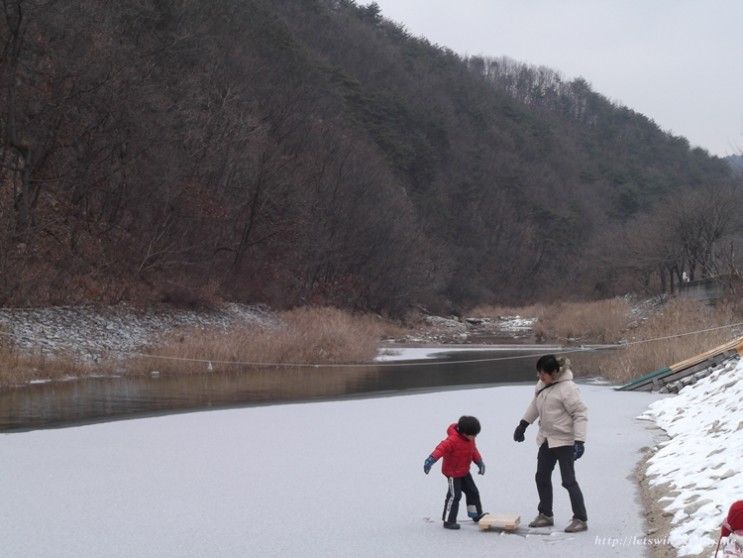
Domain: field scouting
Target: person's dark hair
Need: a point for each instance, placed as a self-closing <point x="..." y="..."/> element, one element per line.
<point x="549" y="364"/>
<point x="468" y="425"/>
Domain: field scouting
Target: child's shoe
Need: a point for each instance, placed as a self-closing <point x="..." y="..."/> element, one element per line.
<point x="479" y="516"/>
<point x="451" y="525"/>
<point x="473" y="514"/>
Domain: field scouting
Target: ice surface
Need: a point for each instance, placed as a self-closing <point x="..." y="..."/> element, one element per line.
<point x="310" y="480"/>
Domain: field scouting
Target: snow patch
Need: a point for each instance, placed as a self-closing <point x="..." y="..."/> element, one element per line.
<point x="93" y="332"/>
<point x="516" y="324"/>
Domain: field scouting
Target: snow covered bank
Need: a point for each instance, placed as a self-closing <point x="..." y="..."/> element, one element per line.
<point x="438" y="329"/>
<point x="114" y="330"/>
<point x="701" y="461"/>
<point x="311" y="480"/>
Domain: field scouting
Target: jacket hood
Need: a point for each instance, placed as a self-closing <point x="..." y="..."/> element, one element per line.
<point x="734" y="520"/>
<point x="452" y="429"/>
<point x="564" y="374"/>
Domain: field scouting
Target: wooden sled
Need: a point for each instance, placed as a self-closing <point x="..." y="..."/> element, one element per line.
<point x="499" y="522"/>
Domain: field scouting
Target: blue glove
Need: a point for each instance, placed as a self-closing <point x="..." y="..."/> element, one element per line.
<point x="480" y="467"/>
<point x="578" y="449"/>
<point x="428" y="463"/>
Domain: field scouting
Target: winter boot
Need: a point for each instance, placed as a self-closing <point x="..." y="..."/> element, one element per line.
<point x="451" y="525"/>
<point x="576" y="526"/>
<point x="473" y="514"/>
<point x="542" y="521"/>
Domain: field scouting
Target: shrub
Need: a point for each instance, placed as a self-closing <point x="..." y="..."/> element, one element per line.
<point x="19" y="367"/>
<point x="309" y="335"/>
<point x="600" y="321"/>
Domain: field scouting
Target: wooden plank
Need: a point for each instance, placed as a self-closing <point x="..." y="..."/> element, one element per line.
<point x="658" y="378"/>
<point x="503" y="521"/>
<point x="705" y="355"/>
<point x="690" y="371"/>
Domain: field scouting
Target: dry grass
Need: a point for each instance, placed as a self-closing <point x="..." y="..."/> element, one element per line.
<point x="328" y="335"/>
<point x="601" y="321"/>
<point x="20" y="367"/>
<point x="674" y="317"/>
<point x="612" y="320"/>
<point x="309" y="336"/>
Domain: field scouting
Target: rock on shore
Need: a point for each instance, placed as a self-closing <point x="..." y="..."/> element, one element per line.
<point x="93" y="332"/>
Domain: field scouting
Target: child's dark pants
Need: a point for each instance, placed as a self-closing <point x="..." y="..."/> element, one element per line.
<point x="457" y="485"/>
<point x="546" y="459"/>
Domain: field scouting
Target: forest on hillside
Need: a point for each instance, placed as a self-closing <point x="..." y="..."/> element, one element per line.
<point x="312" y="152"/>
<point x="735" y="162"/>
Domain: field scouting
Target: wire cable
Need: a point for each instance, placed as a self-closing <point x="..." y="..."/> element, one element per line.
<point x="615" y="346"/>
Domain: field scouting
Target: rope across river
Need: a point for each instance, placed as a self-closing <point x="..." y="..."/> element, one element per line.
<point x="568" y="350"/>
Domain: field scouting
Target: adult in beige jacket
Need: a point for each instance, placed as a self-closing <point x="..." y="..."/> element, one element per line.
<point x="562" y="433"/>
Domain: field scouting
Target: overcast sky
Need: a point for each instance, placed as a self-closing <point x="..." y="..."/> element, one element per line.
<point x="680" y="62"/>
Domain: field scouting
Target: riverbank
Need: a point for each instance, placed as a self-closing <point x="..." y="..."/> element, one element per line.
<point x="45" y="344"/>
<point x="98" y="332"/>
<point x="691" y="478"/>
<point x="41" y="344"/>
<point x="65" y="342"/>
<point x="57" y="343"/>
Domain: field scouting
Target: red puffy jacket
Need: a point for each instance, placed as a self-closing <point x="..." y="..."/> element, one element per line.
<point x="458" y="453"/>
<point x="734" y="520"/>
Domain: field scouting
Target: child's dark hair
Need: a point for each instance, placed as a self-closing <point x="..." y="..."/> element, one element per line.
<point x="549" y="364"/>
<point x="468" y="425"/>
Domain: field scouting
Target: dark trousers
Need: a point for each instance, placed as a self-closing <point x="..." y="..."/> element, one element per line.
<point x="546" y="460"/>
<point x="458" y="485"/>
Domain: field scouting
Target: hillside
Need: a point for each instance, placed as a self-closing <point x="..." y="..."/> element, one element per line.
<point x="735" y="162"/>
<point x="310" y="151"/>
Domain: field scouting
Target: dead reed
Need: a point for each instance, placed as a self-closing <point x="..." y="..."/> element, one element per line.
<point x="323" y="335"/>
<point x="672" y="318"/>
<point x="19" y="367"/>
<point x="600" y="321"/>
<point x="615" y="320"/>
<point x="314" y="335"/>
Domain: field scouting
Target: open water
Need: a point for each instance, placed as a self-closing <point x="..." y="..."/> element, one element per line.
<point x="79" y="401"/>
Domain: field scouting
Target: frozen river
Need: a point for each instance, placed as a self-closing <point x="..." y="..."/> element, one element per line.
<point x="331" y="478"/>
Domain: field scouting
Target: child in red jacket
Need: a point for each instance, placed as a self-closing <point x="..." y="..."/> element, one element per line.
<point x="732" y="528"/>
<point x="459" y="452"/>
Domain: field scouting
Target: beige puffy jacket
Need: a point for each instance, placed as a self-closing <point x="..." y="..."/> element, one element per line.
<point x="562" y="414"/>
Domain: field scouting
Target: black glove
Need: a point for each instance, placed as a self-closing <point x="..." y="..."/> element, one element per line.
<point x="518" y="434"/>
<point x="578" y="449"/>
<point x="428" y="463"/>
<point x="480" y="467"/>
